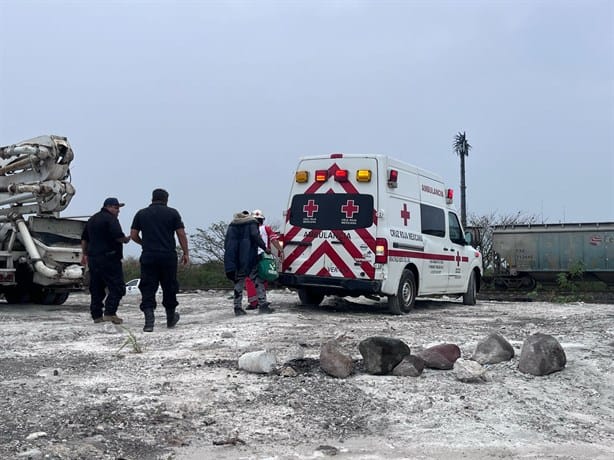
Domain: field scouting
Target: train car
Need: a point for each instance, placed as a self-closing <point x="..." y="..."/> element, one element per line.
<point x="527" y="254"/>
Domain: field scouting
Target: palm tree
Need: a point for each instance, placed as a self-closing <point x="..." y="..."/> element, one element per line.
<point x="461" y="148"/>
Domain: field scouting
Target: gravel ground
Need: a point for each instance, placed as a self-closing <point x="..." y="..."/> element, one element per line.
<point x="69" y="390"/>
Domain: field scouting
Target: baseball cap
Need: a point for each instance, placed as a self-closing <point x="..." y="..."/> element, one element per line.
<point x="113" y="202"/>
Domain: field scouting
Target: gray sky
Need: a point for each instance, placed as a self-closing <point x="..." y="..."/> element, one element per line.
<point x="216" y="101"/>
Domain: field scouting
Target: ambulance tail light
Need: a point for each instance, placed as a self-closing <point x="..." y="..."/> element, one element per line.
<point x="393" y="177"/>
<point x="449" y="196"/>
<point x="321" y="175"/>
<point x="363" y="175"/>
<point x="301" y="176"/>
<point x="381" y="251"/>
<point x="341" y="175"/>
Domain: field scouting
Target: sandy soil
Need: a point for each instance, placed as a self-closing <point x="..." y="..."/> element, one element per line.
<point x="67" y="391"/>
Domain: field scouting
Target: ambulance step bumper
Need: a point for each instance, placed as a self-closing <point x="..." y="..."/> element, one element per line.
<point x="330" y="285"/>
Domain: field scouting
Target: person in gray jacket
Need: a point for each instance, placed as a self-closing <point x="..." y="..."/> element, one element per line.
<point x="241" y="259"/>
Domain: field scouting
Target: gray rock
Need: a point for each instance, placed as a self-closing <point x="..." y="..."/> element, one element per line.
<point x="541" y="354"/>
<point x="442" y="356"/>
<point x="494" y="349"/>
<point x="410" y="366"/>
<point x="334" y="360"/>
<point x="382" y="354"/>
<point x="30" y="454"/>
<point x="468" y="371"/>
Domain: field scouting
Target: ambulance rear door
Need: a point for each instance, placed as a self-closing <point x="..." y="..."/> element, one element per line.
<point x="331" y="220"/>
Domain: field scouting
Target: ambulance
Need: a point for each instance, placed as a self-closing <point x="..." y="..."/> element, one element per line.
<point x="373" y="226"/>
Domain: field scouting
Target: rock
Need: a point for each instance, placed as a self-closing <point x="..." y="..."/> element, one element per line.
<point x="227" y="335"/>
<point x="293" y="352"/>
<point x="328" y="450"/>
<point x="410" y="366"/>
<point x="259" y="362"/>
<point x="30" y="454"/>
<point x="494" y="349"/>
<point x="541" y="354"/>
<point x="288" y="371"/>
<point x="382" y="354"/>
<point x="442" y="356"/>
<point x="468" y="371"/>
<point x="36" y="435"/>
<point x="334" y="360"/>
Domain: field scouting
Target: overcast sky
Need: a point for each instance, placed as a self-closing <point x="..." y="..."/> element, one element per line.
<point x="216" y="101"/>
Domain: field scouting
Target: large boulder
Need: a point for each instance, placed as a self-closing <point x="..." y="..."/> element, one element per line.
<point x="334" y="360"/>
<point x="442" y="356"/>
<point x="493" y="349"/>
<point x="382" y="354"/>
<point x="541" y="354"/>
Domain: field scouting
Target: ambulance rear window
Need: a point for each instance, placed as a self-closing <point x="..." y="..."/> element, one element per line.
<point x="332" y="211"/>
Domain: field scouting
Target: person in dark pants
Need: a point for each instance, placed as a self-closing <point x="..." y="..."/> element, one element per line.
<point x="241" y="245"/>
<point x="102" y="252"/>
<point x="154" y="228"/>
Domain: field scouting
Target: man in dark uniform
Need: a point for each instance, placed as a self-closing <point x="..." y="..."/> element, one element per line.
<point x="102" y="251"/>
<point x="154" y="228"/>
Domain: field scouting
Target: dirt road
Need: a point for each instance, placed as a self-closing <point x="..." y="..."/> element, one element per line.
<point x="67" y="391"/>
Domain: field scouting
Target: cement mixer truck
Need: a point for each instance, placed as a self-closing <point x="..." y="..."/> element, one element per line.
<point x="40" y="252"/>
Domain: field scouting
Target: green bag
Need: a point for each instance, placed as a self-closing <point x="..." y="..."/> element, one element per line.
<point x="267" y="267"/>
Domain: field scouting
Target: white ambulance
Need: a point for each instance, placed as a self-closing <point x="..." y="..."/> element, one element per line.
<point x="374" y="226"/>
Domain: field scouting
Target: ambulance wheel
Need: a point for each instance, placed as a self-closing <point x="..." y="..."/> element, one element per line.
<point x="404" y="300"/>
<point x="470" y="295"/>
<point x="310" y="297"/>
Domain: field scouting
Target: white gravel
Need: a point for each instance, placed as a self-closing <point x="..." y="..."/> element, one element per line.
<point x="67" y="392"/>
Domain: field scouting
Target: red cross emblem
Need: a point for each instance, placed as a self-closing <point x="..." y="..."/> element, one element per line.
<point x="458" y="258"/>
<point x="405" y="214"/>
<point x="310" y="208"/>
<point x="349" y="208"/>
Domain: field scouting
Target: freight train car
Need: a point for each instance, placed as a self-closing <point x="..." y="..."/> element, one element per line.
<point x="527" y="254"/>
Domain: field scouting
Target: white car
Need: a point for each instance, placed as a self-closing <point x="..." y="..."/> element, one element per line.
<point x="132" y="287"/>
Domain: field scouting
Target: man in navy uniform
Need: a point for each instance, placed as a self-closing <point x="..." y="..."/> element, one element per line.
<point x="154" y="228"/>
<point x="102" y="252"/>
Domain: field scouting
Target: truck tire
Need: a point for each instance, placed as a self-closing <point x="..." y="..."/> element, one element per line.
<point x="469" y="297"/>
<point x="60" y="298"/>
<point x="310" y="297"/>
<point x="405" y="298"/>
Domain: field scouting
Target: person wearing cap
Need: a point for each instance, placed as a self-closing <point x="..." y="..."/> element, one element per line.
<point x="270" y="238"/>
<point x="241" y="245"/>
<point x="102" y="253"/>
<point x="154" y="228"/>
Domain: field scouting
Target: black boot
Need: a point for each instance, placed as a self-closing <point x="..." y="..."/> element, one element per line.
<point x="149" y="320"/>
<point x="172" y="317"/>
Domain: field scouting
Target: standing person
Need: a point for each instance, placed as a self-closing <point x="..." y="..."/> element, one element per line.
<point x="154" y="228"/>
<point x="270" y="238"/>
<point x="241" y="259"/>
<point x="102" y="251"/>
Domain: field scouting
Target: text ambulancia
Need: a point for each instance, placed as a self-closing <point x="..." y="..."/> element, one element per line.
<point x="375" y="226"/>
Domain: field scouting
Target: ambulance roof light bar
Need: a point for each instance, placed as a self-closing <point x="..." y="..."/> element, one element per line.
<point x="449" y="196"/>
<point x="336" y="155"/>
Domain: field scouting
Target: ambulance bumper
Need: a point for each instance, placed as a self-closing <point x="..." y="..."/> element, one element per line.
<point x="328" y="285"/>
